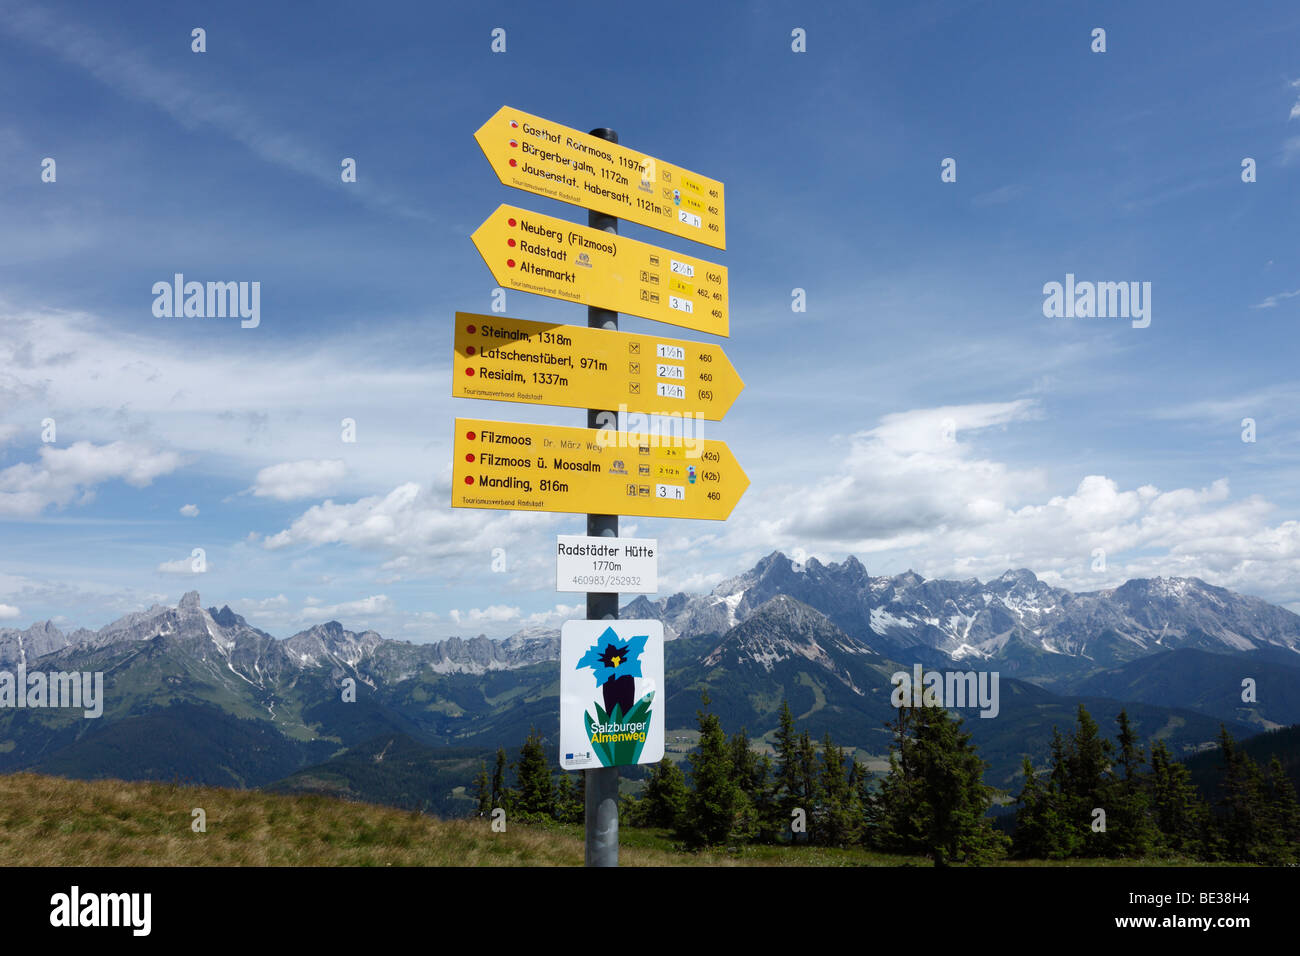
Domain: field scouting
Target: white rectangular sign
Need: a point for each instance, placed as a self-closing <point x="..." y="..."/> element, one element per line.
<point x="606" y="565"/>
<point x="611" y="693"/>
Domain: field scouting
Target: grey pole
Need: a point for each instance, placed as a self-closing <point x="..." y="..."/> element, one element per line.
<point x="602" y="783"/>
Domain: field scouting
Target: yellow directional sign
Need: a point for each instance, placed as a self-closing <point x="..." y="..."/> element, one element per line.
<point x="541" y="363"/>
<point x="549" y="256"/>
<point x="515" y="467"/>
<point x="542" y="157"/>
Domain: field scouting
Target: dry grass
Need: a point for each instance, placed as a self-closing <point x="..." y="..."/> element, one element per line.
<point x="50" y="821"/>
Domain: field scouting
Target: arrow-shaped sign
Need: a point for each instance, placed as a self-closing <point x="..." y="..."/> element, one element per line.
<point x="541" y="363"/>
<point x="542" y="157"/>
<point x="509" y="466"/>
<point x="534" y="253"/>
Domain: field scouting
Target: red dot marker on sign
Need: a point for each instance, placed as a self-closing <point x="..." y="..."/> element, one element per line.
<point x="510" y="222"/>
<point x="513" y="144"/>
<point x="469" y="372"/>
<point x="510" y="243"/>
<point x="470" y="435"/>
<point x="514" y="125"/>
<point x="469" y="350"/>
<point x="469" y="458"/>
<point x="469" y="329"/>
<point x="469" y="479"/>
<point x="513" y="163"/>
<point x="510" y="263"/>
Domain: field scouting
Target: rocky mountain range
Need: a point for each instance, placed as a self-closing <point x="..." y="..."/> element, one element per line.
<point x="201" y="694"/>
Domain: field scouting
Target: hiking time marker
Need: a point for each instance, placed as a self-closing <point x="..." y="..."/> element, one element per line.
<point x="548" y="256"/>
<point x="534" y="154"/>
<point x="542" y="363"/>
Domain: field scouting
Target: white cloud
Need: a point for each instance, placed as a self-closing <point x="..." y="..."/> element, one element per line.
<point x="299" y="479"/>
<point x="1273" y="300"/>
<point x="375" y="604"/>
<point x="8" y="612"/>
<point x="63" y="474"/>
<point x="496" y="614"/>
<point x="939" y="508"/>
<point x="190" y="511"/>
<point x="179" y="566"/>
<point x="9" y="432"/>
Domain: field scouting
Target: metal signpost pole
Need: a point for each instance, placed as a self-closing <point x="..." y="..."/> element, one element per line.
<point x="602" y="784"/>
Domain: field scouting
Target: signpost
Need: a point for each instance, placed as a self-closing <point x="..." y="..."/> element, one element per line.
<point x="512" y="466"/>
<point x="612" y="671"/>
<point x="548" y="256"/>
<point x="541" y="363"/>
<point x="548" y="159"/>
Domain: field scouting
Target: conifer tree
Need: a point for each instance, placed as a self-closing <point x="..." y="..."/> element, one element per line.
<point x="500" y="791"/>
<point x="536" y="792"/>
<point x="1241" y="810"/>
<point x="953" y="798"/>
<point x="664" y="800"/>
<point x="1129" y="832"/>
<point x="786" y="787"/>
<point x="1179" y="813"/>
<point x="482" y="791"/>
<point x="568" y="800"/>
<point x="712" y="806"/>
<point x="836" y="822"/>
<point x="1283" y="816"/>
<point x="1041" y="831"/>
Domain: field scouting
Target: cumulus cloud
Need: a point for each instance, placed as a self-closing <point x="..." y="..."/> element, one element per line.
<point x="417" y="531"/>
<point x="299" y="479"/>
<point x="8" y="612"/>
<point x="495" y="614"/>
<point x="190" y="511"/>
<point x="64" y="474"/>
<point x="9" y="432"/>
<point x="947" y="512"/>
<point x="375" y="604"/>
<point x="179" y="566"/>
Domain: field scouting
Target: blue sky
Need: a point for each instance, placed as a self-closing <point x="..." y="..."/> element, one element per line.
<point x="923" y="412"/>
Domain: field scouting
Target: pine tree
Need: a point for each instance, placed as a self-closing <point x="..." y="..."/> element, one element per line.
<point x="483" y="791"/>
<point x="786" y="785"/>
<point x="953" y="798"/>
<point x="1129" y="832"/>
<point x="569" y="800"/>
<point x="1041" y="831"/>
<point x="1241" y="811"/>
<point x="501" y="794"/>
<point x="750" y="776"/>
<point x="837" y="822"/>
<point x="892" y="823"/>
<point x="1282" y="817"/>
<point x="712" y="805"/>
<point x="1179" y="813"/>
<point x="536" y="793"/>
<point x="664" y="800"/>
<point x="1087" y="766"/>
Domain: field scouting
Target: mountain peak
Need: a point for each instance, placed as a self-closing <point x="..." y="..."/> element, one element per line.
<point x="189" y="601"/>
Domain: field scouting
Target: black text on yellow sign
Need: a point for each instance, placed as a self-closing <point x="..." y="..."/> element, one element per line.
<point x="510" y="466"/>
<point x="548" y="256"/>
<point x="534" y="154"/>
<point x="541" y="363"/>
